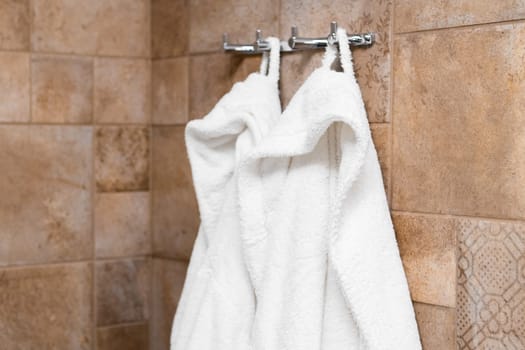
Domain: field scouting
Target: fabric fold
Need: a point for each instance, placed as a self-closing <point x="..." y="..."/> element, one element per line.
<point x="321" y="251"/>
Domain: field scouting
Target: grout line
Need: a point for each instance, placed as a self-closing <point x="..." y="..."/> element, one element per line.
<point x="37" y="264"/>
<point x="435" y="305"/>
<point x="457" y="216"/>
<point x="464" y="26"/>
<point x="391" y="106"/>
<point x="71" y="54"/>
<point x="92" y="124"/>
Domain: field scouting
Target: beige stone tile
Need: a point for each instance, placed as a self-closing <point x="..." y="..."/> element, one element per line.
<point x="117" y="27"/>
<point x="459" y="131"/>
<point x="122" y="159"/>
<point x="381" y="139"/>
<point x="14" y="25"/>
<point x="170" y="91"/>
<point x="168" y="281"/>
<point x="122" y="90"/>
<point x="372" y="64"/>
<point x="411" y="15"/>
<point x="46" y="307"/>
<point x="428" y="249"/>
<point x="122" y="224"/>
<point x="123" y="27"/>
<point x="242" y="66"/>
<point x="123" y="291"/>
<point x="437" y="326"/>
<point x="14" y="87"/>
<point x="491" y="285"/>
<point x="45" y="206"/>
<point x="132" y="337"/>
<point x="210" y="79"/>
<point x="169" y="28"/>
<point x="239" y="18"/>
<point x="68" y="26"/>
<point x="175" y="215"/>
<point x="62" y="89"/>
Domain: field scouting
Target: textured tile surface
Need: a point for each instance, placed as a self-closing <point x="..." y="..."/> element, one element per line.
<point x="381" y="138"/>
<point x="122" y="90"/>
<point x="123" y="27"/>
<point x="371" y="64"/>
<point x="437" y="326"/>
<point x="117" y="27"/>
<point x="122" y="291"/>
<point x="169" y="26"/>
<point x="239" y="18"/>
<point x="65" y="26"/>
<point x="46" y="307"/>
<point x="428" y="249"/>
<point x="175" y="213"/>
<point x="170" y="91"/>
<point x="133" y="337"/>
<point x="122" y="159"/>
<point x="491" y="286"/>
<point x="210" y="79"/>
<point x="14" y="24"/>
<point x="413" y="15"/>
<point x="45" y="206"/>
<point x="14" y="87"/>
<point x="62" y="89"/>
<point x="168" y="281"/>
<point x="122" y="224"/>
<point x="459" y="129"/>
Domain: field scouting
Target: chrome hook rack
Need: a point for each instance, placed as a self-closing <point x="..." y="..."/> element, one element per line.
<point x="296" y="43"/>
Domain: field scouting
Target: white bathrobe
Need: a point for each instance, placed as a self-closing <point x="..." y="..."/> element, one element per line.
<point x="317" y="236"/>
<point x="217" y="305"/>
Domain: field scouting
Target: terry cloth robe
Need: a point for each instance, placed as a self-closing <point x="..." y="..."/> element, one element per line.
<point x="316" y="229"/>
<point x="217" y="305"/>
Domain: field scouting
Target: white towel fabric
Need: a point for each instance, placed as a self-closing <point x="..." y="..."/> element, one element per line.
<point x="316" y="230"/>
<point x="217" y="304"/>
<point x="296" y="249"/>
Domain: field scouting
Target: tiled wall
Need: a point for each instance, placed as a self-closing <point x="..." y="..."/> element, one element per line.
<point x="94" y="96"/>
<point x="75" y="110"/>
<point x="445" y="93"/>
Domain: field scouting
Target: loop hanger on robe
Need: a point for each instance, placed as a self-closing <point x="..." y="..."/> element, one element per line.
<point x="296" y="43"/>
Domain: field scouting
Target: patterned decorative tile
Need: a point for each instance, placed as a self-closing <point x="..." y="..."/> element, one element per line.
<point x="170" y="91"/>
<point x="175" y="214"/>
<point x="371" y="64"/>
<point x="123" y="291"/>
<point x="411" y="15"/>
<point x="62" y="89"/>
<point x="14" y="24"/>
<point x="459" y="131"/>
<point x="14" y="87"/>
<point x="46" y="307"/>
<point x="491" y="286"/>
<point x="122" y="159"/>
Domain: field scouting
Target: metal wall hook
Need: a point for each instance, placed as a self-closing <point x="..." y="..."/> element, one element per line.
<point x="297" y="43"/>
